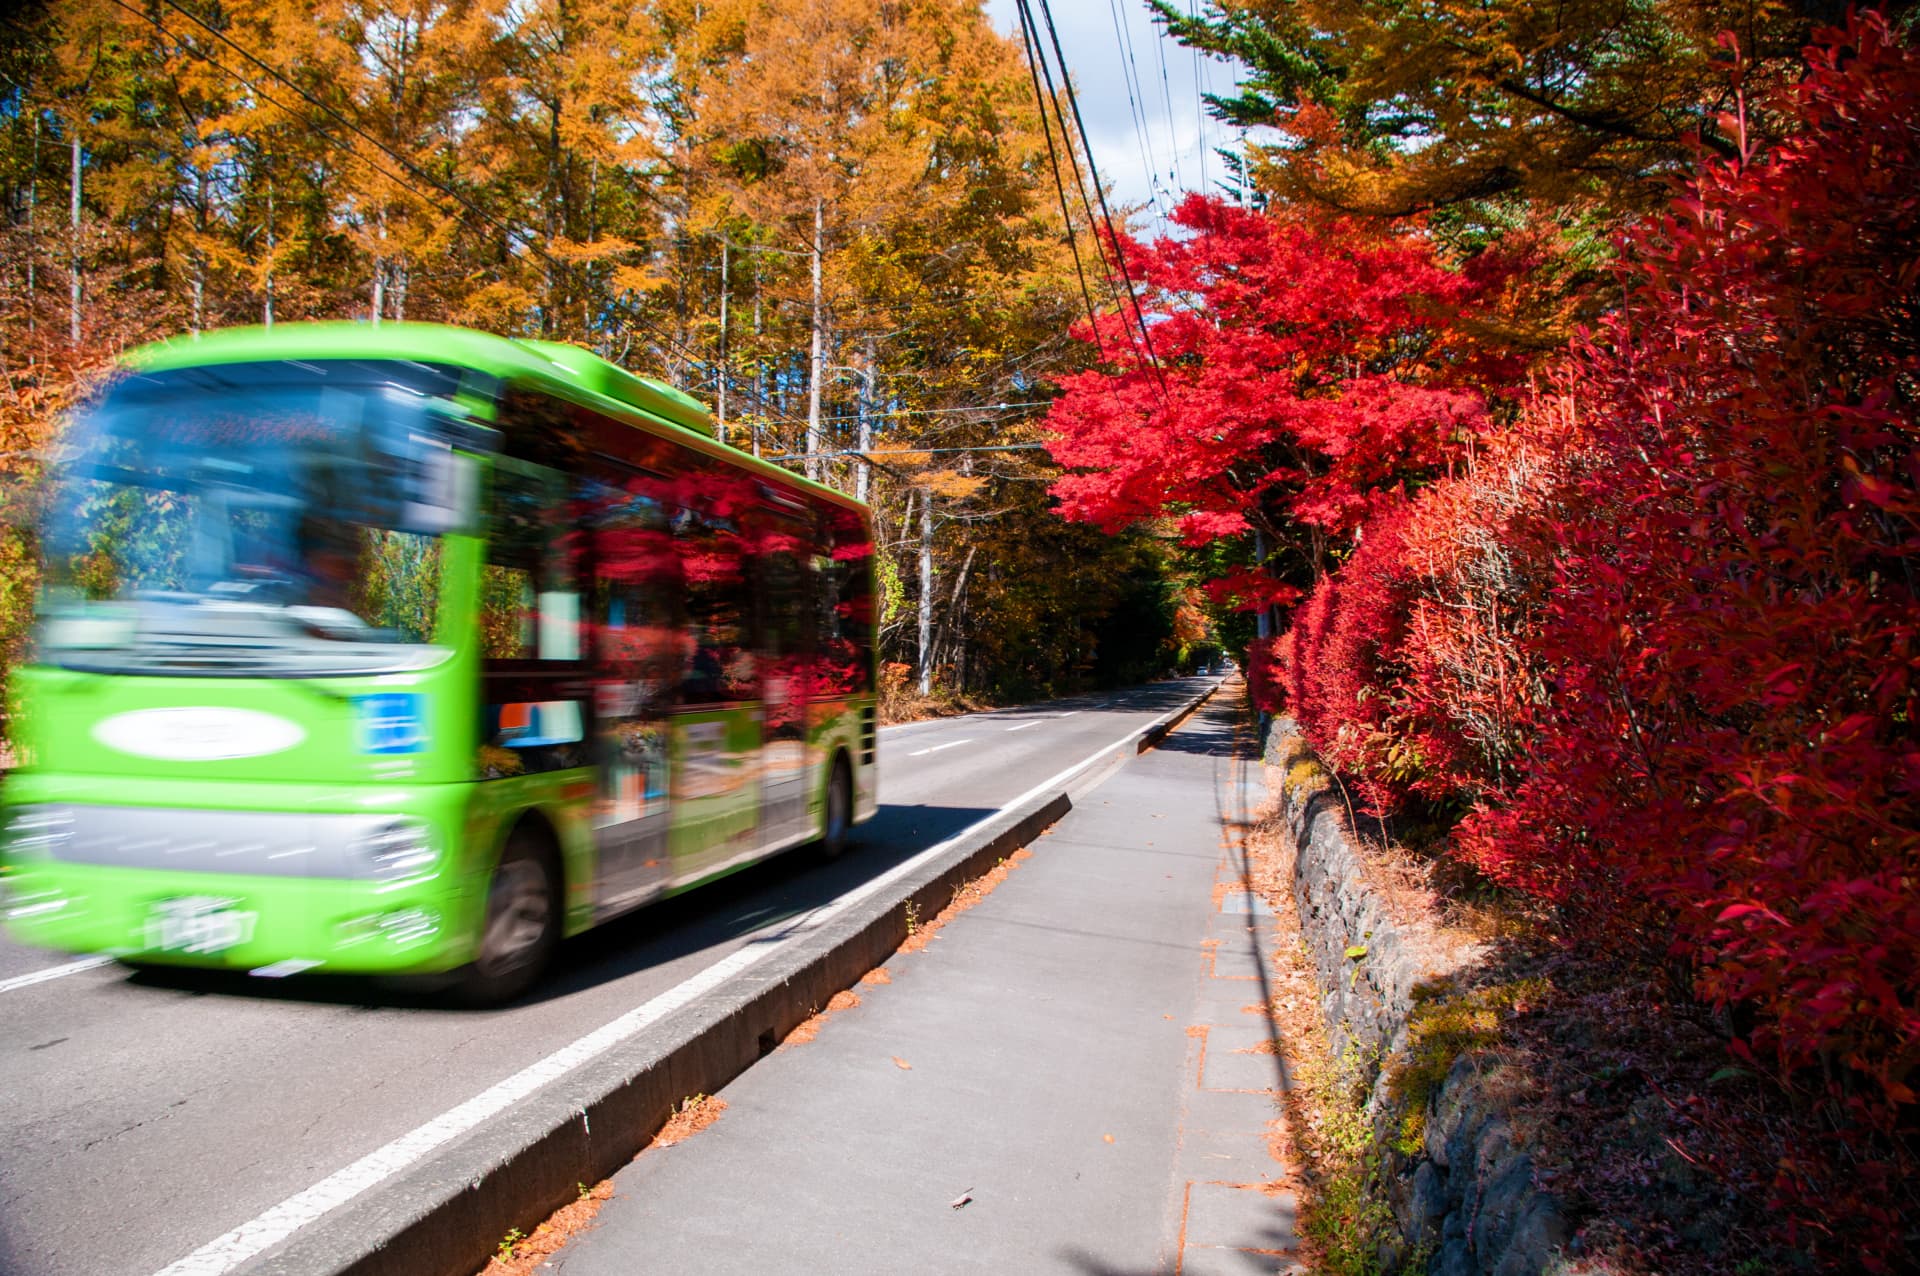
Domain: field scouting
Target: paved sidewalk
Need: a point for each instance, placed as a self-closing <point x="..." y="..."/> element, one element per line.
<point x="1077" y="1053"/>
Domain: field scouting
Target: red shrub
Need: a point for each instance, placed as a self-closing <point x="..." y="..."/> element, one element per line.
<point x="1728" y="756"/>
<point x="1410" y="669"/>
<point x="1341" y="682"/>
<point x="1671" y="640"/>
<point x="1735" y="626"/>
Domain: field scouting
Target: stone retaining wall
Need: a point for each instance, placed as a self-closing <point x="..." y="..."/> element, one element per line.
<point x="1467" y="1204"/>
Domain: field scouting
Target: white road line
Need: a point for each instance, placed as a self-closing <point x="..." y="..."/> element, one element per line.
<point x="951" y="744"/>
<point x="961" y="717"/>
<point x="53" y="972"/>
<point x="1024" y="725"/>
<point x="224" y="1253"/>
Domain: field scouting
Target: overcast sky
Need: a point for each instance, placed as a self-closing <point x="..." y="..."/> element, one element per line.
<point x="1174" y="151"/>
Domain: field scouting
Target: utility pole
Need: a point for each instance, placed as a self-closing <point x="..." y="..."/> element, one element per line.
<point x="1263" y="619"/>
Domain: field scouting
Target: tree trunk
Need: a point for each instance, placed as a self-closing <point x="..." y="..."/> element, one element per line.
<point x="73" y="268"/>
<point x="33" y="227"/>
<point x="926" y="592"/>
<point x="266" y="308"/>
<point x="380" y="274"/>
<point x="817" y="366"/>
<point x="726" y="293"/>
<point x="955" y="645"/>
<point x="198" y="255"/>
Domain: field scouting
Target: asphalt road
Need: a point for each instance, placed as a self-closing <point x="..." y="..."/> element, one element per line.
<point x="142" y="1116"/>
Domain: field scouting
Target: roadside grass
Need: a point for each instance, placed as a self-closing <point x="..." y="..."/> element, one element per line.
<point x="523" y="1253"/>
<point x="1325" y="1132"/>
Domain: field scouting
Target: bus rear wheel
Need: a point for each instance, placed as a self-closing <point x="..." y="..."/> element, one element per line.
<point x="837" y="830"/>
<point x="522" y="926"/>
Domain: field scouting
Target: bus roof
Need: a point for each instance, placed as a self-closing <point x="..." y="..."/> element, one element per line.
<point x="569" y="371"/>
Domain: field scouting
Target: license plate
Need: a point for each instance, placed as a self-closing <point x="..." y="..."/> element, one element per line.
<point x="198" y="924"/>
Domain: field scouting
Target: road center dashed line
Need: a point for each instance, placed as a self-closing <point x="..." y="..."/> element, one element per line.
<point x="951" y="744"/>
<point x="53" y="972"/>
<point x="1024" y="725"/>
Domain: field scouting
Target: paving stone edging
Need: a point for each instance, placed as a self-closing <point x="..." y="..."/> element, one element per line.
<point x="1467" y="1206"/>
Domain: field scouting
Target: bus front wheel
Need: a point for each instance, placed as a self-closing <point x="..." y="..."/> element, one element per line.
<point x="522" y="926"/>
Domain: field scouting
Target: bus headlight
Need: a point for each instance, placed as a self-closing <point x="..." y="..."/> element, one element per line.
<point x="400" y="851"/>
<point x="37" y="831"/>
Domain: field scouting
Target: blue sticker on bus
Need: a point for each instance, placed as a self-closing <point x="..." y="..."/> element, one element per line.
<point x="393" y="722"/>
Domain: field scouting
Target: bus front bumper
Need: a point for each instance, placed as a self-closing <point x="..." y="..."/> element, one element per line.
<point x="330" y="886"/>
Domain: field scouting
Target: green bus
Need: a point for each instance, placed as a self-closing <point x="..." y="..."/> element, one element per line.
<point x="413" y="649"/>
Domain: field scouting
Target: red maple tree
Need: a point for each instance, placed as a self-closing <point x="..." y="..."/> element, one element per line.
<point x="1304" y="371"/>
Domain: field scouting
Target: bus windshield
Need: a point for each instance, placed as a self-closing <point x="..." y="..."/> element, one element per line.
<point x="251" y="527"/>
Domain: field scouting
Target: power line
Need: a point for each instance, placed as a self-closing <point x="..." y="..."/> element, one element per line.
<point x="1130" y="75"/>
<point x="1066" y="212"/>
<point x="1166" y="93"/>
<point x="1079" y="185"/>
<point x="983" y="407"/>
<point x="1199" y="103"/>
<point x="1113" y="235"/>
<point x="870" y="453"/>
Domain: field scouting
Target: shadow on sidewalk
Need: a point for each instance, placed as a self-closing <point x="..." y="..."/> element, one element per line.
<point x="1265" y="1253"/>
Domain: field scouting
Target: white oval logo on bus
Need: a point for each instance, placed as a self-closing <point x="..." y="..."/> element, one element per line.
<point x="198" y="734"/>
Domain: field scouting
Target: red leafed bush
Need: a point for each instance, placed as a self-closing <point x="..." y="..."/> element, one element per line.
<point x="1736" y="626"/>
<point x="1729" y="756"/>
<point x="1666" y="630"/>
<point x="1410" y="668"/>
<point x="1345" y="649"/>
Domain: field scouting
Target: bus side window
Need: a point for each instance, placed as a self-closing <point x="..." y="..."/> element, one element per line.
<point x="843" y="579"/>
<point x="637" y="587"/>
<point x="712" y="545"/>
<point x="529" y="597"/>
<point x="781" y="532"/>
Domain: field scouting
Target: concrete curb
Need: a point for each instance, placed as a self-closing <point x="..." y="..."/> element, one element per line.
<point x="446" y="1215"/>
<point x="1161" y="728"/>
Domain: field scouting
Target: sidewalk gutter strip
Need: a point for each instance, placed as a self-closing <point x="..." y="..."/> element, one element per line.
<point x="444" y="1214"/>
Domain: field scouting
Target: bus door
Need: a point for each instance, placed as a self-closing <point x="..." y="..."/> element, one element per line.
<point x="714" y="740"/>
<point x="638" y="629"/>
<point x="536" y="684"/>
<point x="783" y="539"/>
